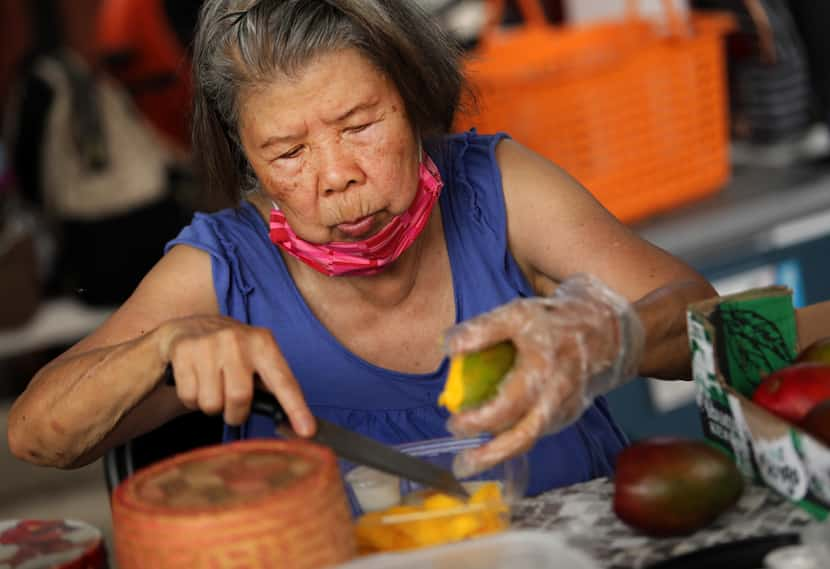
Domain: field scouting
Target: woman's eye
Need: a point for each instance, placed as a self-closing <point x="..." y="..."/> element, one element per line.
<point x="359" y="128"/>
<point x="293" y="153"/>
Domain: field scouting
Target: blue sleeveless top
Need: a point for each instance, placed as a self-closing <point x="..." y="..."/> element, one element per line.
<point x="254" y="286"/>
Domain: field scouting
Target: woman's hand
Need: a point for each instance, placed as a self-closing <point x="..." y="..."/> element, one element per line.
<point x="582" y="341"/>
<point x="214" y="359"/>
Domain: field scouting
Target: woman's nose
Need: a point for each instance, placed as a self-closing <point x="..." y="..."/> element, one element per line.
<point x="338" y="170"/>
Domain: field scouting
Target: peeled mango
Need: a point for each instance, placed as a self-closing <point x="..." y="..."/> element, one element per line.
<point x="672" y="486"/>
<point x="792" y="391"/>
<point x="436" y="519"/>
<point x="475" y="377"/>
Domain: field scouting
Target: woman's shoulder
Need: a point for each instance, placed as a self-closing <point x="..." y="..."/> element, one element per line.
<point x="223" y="229"/>
<point x="468" y="163"/>
<point x="241" y="217"/>
<point x="466" y="145"/>
<point x="472" y="204"/>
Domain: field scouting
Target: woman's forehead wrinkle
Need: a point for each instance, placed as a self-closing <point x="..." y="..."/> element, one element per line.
<point x="352" y="110"/>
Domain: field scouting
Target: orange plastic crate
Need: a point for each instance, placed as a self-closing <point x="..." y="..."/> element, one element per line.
<point x="637" y="115"/>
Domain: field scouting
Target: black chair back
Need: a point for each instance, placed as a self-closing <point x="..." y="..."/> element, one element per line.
<point x="182" y="434"/>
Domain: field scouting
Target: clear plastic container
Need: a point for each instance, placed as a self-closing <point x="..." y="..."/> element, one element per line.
<point x="812" y="553"/>
<point x="508" y="550"/>
<point x="370" y="490"/>
<point x="405" y="515"/>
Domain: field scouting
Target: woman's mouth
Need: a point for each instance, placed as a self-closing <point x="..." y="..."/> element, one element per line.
<point x="357" y="228"/>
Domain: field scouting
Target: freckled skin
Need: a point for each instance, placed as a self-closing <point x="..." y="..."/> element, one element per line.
<point x="57" y="427"/>
<point x="331" y="171"/>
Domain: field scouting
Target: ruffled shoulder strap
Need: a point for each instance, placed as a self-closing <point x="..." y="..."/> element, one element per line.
<point x="237" y="242"/>
<point x="473" y="207"/>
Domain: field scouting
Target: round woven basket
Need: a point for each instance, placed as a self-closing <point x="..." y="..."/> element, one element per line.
<point x="253" y="504"/>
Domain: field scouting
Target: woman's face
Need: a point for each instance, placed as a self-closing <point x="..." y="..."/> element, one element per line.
<point x="332" y="147"/>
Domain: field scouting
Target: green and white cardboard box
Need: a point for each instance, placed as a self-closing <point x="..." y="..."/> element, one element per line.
<point x="735" y="341"/>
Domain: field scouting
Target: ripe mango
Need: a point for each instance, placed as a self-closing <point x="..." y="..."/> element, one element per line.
<point x="792" y="391"/>
<point x="672" y="486"/>
<point x="475" y="377"/>
<point x="817" y="422"/>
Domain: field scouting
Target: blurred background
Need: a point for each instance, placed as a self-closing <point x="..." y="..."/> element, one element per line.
<point x="703" y="124"/>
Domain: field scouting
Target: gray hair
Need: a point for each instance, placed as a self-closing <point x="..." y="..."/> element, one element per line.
<point x="242" y="43"/>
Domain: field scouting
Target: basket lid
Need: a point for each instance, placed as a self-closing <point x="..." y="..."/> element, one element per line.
<point x="50" y="544"/>
<point x="226" y="477"/>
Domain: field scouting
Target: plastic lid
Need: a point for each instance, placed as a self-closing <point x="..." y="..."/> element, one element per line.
<point x="223" y="479"/>
<point x="252" y="503"/>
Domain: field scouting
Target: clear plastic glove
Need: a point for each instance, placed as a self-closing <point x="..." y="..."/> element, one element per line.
<point x="581" y="342"/>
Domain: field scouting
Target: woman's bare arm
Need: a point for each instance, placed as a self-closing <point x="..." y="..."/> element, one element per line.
<point x="813" y="323"/>
<point x="556" y="228"/>
<point x="103" y="390"/>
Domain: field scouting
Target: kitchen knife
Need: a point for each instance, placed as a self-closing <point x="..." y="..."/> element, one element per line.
<point x="746" y="553"/>
<point x="355" y="447"/>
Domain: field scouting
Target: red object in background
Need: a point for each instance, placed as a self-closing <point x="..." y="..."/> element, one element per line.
<point x="817" y="422"/>
<point x="14" y="28"/>
<point x="139" y="47"/>
<point x="792" y="391"/>
<point x="76" y="17"/>
<point x="59" y="544"/>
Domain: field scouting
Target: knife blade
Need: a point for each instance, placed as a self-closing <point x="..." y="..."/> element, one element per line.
<point x="355" y="447"/>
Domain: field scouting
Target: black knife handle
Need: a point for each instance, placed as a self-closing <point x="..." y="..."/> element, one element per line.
<point x="264" y="403"/>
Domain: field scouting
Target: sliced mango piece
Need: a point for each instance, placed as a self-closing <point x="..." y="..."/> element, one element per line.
<point x="434" y="519"/>
<point x="373" y="535"/>
<point x="462" y="526"/>
<point x="475" y="377"/>
<point x="487" y="493"/>
<point x="492" y="522"/>
<point x="440" y="501"/>
<point x="494" y="518"/>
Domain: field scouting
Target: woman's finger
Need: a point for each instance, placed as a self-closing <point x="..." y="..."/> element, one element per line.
<point x="484" y="330"/>
<point x="506" y="445"/>
<point x="239" y="393"/>
<point x="186" y="385"/>
<point x="237" y="382"/>
<point x="211" y="385"/>
<point x="282" y="384"/>
<point x="277" y="377"/>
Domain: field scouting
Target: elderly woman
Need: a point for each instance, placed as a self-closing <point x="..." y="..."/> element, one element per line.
<point x="365" y="234"/>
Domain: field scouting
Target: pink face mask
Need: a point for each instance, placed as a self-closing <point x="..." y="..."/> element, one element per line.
<point x="367" y="257"/>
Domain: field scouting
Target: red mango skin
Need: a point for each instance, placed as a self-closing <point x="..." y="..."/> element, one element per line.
<point x="818" y="352"/>
<point x="817" y="422"/>
<point x="670" y="486"/>
<point x="792" y="391"/>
